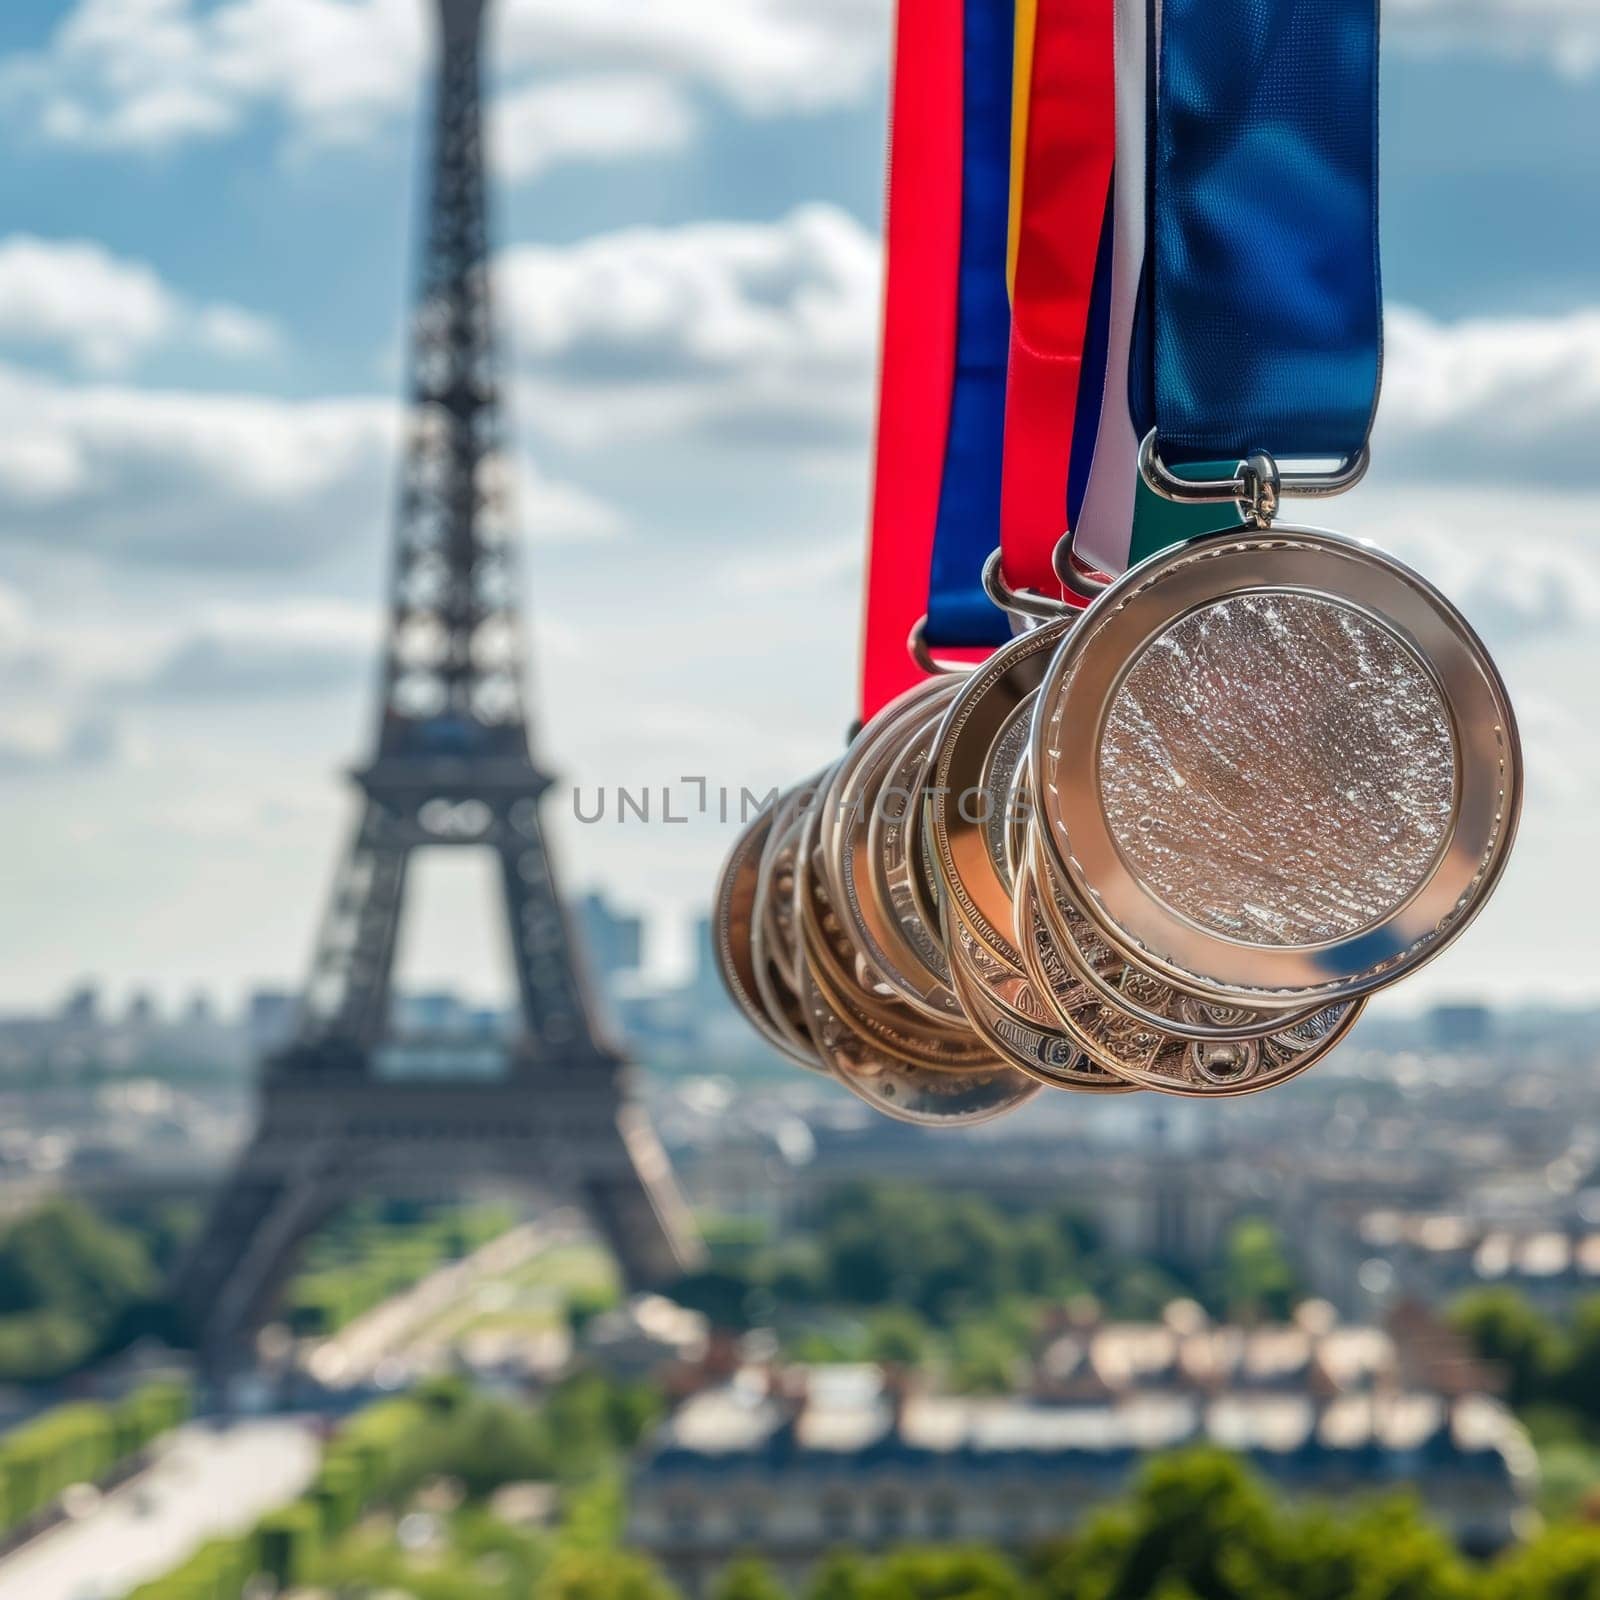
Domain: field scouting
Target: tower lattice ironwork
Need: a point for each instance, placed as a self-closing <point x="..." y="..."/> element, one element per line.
<point x="352" y="1106"/>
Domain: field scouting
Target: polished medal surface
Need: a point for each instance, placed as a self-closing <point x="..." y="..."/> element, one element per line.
<point x="1142" y="995"/>
<point x="979" y="746"/>
<point x="969" y="814"/>
<point x="898" y="1061"/>
<point x="738" y="961"/>
<point x="909" y="1093"/>
<point x="1155" y="1058"/>
<point x="883" y="928"/>
<point x="902" y="847"/>
<point x="1276" y="767"/>
<point x="1042" y="1048"/>
<point x="774" y="935"/>
<point x="897" y="850"/>
<point x="828" y="956"/>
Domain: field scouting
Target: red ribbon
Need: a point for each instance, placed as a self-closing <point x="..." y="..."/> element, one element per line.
<point x="1068" y="148"/>
<point x="917" y="362"/>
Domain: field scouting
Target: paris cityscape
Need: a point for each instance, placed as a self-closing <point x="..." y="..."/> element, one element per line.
<point x="371" y="1230"/>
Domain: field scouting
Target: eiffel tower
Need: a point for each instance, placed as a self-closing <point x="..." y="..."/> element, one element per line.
<point x="351" y="1106"/>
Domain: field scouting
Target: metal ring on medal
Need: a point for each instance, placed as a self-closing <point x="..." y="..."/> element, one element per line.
<point x="982" y="738"/>
<point x="1153" y="1058"/>
<point x="979" y="748"/>
<point x="739" y="962"/>
<point x="773" y="938"/>
<point x="1276" y="767"/>
<point x="909" y="1093"/>
<point x="1040" y="1048"/>
<point x="1142" y="995"/>
<point x="851" y="966"/>
<point x="896" y="846"/>
<point x="828" y="960"/>
<point x="873" y="921"/>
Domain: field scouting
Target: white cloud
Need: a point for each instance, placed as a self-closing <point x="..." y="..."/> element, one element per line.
<point x="150" y="74"/>
<point x="1564" y="32"/>
<point x="747" y="333"/>
<point x="599" y="117"/>
<point x="1509" y="398"/>
<point x="105" y="311"/>
<point x="231" y="331"/>
<point x="741" y="334"/>
<point x="35" y="746"/>
<point x="216" y="481"/>
<point x="765" y="56"/>
<point x="1523" y="569"/>
<point x="237" y="651"/>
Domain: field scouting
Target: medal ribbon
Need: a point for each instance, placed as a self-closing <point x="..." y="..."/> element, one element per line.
<point x="917" y="359"/>
<point x="959" y="612"/>
<point x="1245" y="291"/>
<point x="1262" y="297"/>
<point x="1116" y="517"/>
<point x="998" y="179"/>
<point x="1064" y="131"/>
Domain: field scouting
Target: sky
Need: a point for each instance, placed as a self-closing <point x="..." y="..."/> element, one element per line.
<point x="207" y="225"/>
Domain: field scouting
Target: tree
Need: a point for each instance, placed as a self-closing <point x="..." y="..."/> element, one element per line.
<point x="898" y="1336"/>
<point x="841" y="1576"/>
<point x="63" y="1258"/>
<point x="489" y="1443"/>
<point x="1579" y="1374"/>
<point x="939" y="1574"/>
<point x="1258" y="1283"/>
<point x="1501" y="1326"/>
<point x="986" y="1356"/>
<point x="748" y="1579"/>
<point x="1199" y="1526"/>
<point x="1564" y="1564"/>
<point x="720" y="1294"/>
<point x="602" y="1575"/>
<point x="1196" y="1520"/>
<point x="68" y="1279"/>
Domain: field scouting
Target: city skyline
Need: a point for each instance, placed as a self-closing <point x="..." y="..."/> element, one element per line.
<point x="198" y="468"/>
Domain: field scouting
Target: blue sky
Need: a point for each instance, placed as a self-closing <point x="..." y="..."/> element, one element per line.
<point x="205" y="248"/>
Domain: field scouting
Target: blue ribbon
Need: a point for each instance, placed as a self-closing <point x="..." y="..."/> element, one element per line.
<point x="968" y="524"/>
<point x="1092" y="375"/>
<point x="1262" y="323"/>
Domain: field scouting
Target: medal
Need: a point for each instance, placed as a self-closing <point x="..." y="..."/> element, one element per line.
<point x="741" y="969"/>
<point x="834" y="963"/>
<point x="969" y="812"/>
<point x="1212" y="780"/>
<point x="885" y="929"/>
<point x="1155" y="1057"/>
<point x="1138" y="994"/>
<point x="902" y="869"/>
<point x="1276" y="767"/>
<point x="774" y="937"/>
<point x="907" y="1065"/>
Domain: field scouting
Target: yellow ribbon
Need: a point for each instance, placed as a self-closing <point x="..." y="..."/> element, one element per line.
<point x="1021" y="86"/>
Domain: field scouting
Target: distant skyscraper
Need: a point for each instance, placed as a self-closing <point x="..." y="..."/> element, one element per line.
<point x="81" y="1008"/>
<point x="270" y="1019"/>
<point x="704" y="980"/>
<point x="613" y="942"/>
<point x="1461" y="1027"/>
